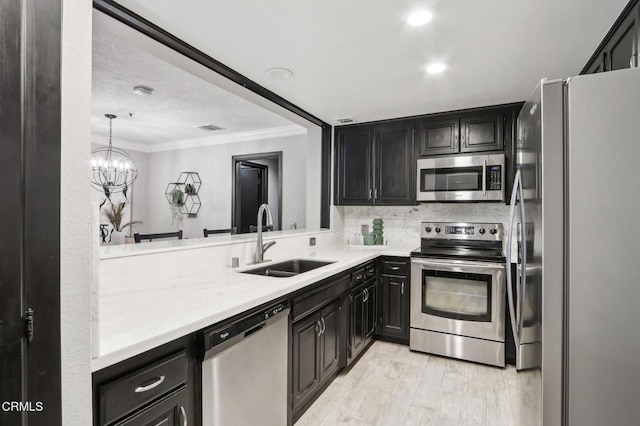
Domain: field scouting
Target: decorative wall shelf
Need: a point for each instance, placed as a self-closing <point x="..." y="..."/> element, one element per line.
<point x="188" y="186"/>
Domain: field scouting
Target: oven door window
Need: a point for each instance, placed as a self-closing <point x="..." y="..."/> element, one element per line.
<point x="451" y="179"/>
<point x="457" y="295"/>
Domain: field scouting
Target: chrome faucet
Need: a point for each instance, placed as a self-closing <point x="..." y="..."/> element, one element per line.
<point x="261" y="248"/>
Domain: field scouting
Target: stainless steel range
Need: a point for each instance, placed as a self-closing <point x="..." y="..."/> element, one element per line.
<point x="458" y="292"/>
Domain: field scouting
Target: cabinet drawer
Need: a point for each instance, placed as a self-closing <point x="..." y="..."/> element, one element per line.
<point x="357" y="277"/>
<point x="314" y="299"/>
<point x="390" y="267"/>
<point x="370" y="270"/>
<point x="122" y="396"/>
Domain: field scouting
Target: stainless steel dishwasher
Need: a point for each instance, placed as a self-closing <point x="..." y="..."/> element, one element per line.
<point x="244" y="370"/>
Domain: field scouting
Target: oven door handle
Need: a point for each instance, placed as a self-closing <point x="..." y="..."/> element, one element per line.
<point x="460" y="266"/>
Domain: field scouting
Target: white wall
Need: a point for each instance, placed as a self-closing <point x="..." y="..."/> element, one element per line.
<point x="214" y="165"/>
<point x="402" y="223"/>
<point x="314" y="177"/>
<point x="75" y="241"/>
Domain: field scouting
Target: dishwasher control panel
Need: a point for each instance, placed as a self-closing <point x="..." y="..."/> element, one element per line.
<point x="238" y="329"/>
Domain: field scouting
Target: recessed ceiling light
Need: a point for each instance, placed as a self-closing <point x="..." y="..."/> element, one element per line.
<point x="142" y="90"/>
<point x="280" y="73"/>
<point x="419" y="17"/>
<point x="436" y="68"/>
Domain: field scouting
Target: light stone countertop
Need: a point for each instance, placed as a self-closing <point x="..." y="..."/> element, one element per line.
<point x="165" y="308"/>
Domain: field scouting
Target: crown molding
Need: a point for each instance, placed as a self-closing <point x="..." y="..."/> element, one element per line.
<point x="274" y="132"/>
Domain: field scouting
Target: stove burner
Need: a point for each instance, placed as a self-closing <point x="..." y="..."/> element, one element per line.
<point x="463" y="241"/>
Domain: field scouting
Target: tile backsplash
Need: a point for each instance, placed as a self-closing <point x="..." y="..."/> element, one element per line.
<point x="402" y="223"/>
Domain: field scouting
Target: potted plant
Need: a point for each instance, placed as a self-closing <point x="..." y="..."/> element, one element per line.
<point x="177" y="200"/>
<point x="114" y="214"/>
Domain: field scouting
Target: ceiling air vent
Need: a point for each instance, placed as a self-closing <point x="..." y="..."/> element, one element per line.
<point x="345" y="120"/>
<point x="211" y="127"/>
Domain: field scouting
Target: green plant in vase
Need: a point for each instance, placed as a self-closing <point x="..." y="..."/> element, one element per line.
<point x="177" y="200"/>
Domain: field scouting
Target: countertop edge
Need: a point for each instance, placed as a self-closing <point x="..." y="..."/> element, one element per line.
<point x="111" y="358"/>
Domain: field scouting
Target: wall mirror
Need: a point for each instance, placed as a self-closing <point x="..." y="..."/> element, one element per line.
<point x="175" y="115"/>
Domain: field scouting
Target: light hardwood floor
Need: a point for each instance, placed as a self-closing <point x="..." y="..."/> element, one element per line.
<point x="390" y="385"/>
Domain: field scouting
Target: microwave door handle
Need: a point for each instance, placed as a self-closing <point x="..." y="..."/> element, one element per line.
<point x="523" y="263"/>
<point x="512" y="207"/>
<point x="484" y="177"/>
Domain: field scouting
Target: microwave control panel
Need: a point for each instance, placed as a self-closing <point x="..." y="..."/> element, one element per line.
<point x="494" y="177"/>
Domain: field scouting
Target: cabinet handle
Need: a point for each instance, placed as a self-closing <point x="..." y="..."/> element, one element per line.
<point x="375" y="193"/>
<point x="157" y="383"/>
<point x="402" y="288"/>
<point x="318" y="328"/>
<point x="183" y="416"/>
<point x="359" y="277"/>
<point x="370" y="192"/>
<point x="394" y="268"/>
<point x="371" y="271"/>
<point x="366" y="295"/>
<point x="633" y="63"/>
<point x="324" y="326"/>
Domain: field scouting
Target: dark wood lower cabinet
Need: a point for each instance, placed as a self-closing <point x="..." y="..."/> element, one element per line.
<point x="158" y="387"/>
<point x="316" y="352"/>
<point x="393" y="296"/>
<point x="362" y="318"/>
<point x="306" y="358"/>
<point x="330" y="340"/>
<point x="169" y="411"/>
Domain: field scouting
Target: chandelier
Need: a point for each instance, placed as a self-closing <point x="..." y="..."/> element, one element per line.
<point x="112" y="169"/>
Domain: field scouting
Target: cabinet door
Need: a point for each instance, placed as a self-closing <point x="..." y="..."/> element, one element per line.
<point x="482" y="132"/>
<point x="395" y="291"/>
<point x="370" y="310"/>
<point x="395" y="166"/>
<point x="357" y="336"/>
<point x="620" y="50"/>
<point x="353" y="168"/>
<point x="438" y="136"/>
<point x="306" y="362"/>
<point x="169" y="411"/>
<point x="330" y="340"/>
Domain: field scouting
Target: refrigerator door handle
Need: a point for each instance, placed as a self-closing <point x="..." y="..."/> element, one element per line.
<point x="523" y="263"/>
<point x="512" y="207"/>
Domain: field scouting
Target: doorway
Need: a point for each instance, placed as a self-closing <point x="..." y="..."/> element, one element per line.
<point x="256" y="180"/>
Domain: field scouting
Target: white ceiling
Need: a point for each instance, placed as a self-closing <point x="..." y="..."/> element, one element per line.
<point x="358" y="57"/>
<point x="181" y="101"/>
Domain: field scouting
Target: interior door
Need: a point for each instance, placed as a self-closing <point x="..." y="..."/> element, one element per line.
<point x="251" y="193"/>
<point x="30" y="212"/>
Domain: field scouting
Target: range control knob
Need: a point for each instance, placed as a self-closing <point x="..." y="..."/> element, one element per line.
<point x="493" y="231"/>
<point x="427" y="229"/>
<point x="437" y="230"/>
<point x="481" y="231"/>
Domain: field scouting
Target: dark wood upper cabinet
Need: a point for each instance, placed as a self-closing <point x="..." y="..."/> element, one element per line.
<point x="375" y="165"/>
<point x="462" y="133"/>
<point x="438" y="136"/>
<point x="619" y="49"/>
<point x="354" y="166"/>
<point x="482" y="132"/>
<point x="394" y="167"/>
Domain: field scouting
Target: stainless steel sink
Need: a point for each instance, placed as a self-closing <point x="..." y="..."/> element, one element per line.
<point x="288" y="268"/>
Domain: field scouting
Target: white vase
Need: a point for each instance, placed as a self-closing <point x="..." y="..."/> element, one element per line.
<point x="117" y="237"/>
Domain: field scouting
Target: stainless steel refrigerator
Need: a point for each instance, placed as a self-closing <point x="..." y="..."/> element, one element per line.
<point x="575" y="299"/>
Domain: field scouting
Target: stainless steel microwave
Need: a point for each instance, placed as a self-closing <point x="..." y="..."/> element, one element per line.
<point x="478" y="177"/>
